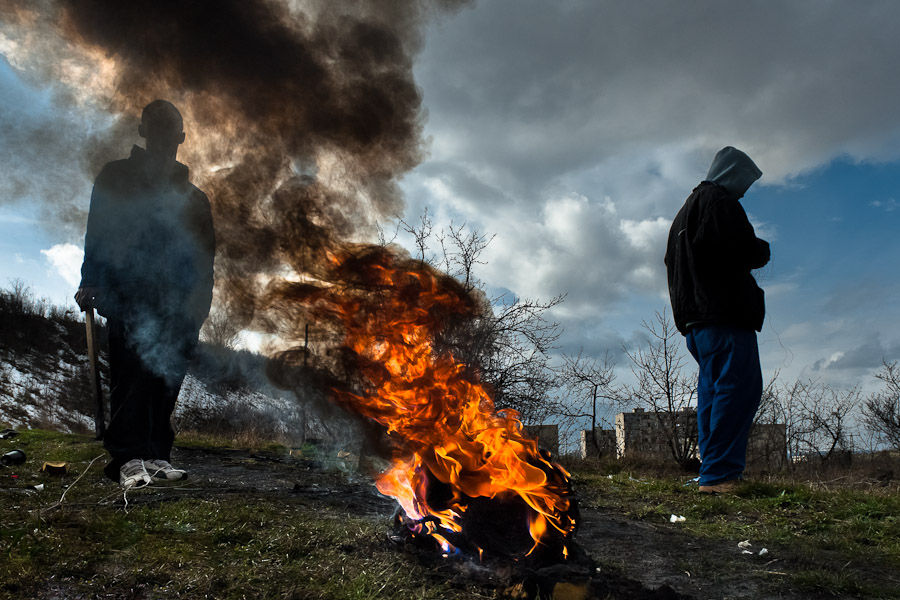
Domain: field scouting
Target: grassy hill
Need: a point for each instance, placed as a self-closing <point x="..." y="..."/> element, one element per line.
<point x="45" y="380"/>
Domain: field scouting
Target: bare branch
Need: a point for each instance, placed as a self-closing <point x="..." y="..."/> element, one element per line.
<point x="881" y="410"/>
<point x="664" y="387"/>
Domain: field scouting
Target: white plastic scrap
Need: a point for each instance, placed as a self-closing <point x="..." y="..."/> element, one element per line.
<point x="676" y="519"/>
<point x="745" y="548"/>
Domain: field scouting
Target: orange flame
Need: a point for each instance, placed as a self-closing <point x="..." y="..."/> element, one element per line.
<point x="445" y="419"/>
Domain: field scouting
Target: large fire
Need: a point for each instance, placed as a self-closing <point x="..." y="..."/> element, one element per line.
<point x="451" y="445"/>
<point x="301" y="120"/>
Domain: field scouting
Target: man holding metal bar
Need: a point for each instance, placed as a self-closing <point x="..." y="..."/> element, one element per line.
<point x="148" y="268"/>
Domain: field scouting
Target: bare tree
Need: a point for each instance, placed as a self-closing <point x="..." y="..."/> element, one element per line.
<point x="509" y="340"/>
<point x="780" y="403"/>
<point x="665" y="387"/>
<point x="466" y="253"/>
<point x="586" y="381"/>
<point x="817" y="417"/>
<point x="421" y="233"/>
<point x="768" y="445"/>
<point x="221" y="329"/>
<point x="828" y="417"/>
<point x="511" y="345"/>
<point x="769" y="410"/>
<point x="881" y="410"/>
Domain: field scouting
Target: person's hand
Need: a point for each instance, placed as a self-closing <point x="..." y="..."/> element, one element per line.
<point x="84" y="297"/>
<point x="765" y="252"/>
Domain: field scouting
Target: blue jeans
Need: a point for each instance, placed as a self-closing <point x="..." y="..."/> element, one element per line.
<point x="729" y="389"/>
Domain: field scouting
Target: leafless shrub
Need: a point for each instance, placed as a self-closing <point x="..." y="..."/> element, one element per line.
<point x="510" y="340"/>
<point x="819" y="419"/>
<point x="664" y="386"/>
<point x="585" y="382"/>
<point x="881" y="410"/>
<point x="825" y="425"/>
<point x="767" y="448"/>
<point x="221" y="329"/>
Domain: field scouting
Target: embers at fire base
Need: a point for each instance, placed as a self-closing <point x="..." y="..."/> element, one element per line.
<point x="491" y="529"/>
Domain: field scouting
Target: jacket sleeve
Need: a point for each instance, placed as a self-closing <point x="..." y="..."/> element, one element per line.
<point x="727" y="235"/>
<point x="204" y="259"/>
<point x="95" y="270"/>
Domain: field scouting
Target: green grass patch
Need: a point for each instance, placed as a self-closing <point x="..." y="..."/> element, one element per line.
<point x="839" y="537"/>
<point x="184" y="545"/>
<point x="41" y="445"/>
<point x="198" y="548"/>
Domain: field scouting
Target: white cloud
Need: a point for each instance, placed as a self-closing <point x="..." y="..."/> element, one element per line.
<point x="649" y="234"/>
<point x="763" y="230"/>
<point x="66" y="260"/>
<point x="889" y="205"/>
<point x="781" y="288"/>
<point x="575" y="130"/>
<point x="824" y="363"/>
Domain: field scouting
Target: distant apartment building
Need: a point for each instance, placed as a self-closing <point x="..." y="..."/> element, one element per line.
<point x="600" y="442"/>
<point x="644" y="433"/>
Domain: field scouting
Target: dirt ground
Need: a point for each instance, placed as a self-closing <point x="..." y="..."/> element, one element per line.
<point x="629" y="558"/>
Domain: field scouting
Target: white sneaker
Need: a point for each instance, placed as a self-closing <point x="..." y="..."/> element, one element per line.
<point x="133" y="474"/>
<point x="161" y="470"/>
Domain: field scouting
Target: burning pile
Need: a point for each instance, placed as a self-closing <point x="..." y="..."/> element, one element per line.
<point x="463" y="471"/>
<point x="301" y="117"/>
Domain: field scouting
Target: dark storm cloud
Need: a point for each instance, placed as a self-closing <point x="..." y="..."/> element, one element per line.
<point x="562" y="86"/>
<point x="863" y="358"/>
<point x="624" y="104"/>
<point x="301" y="117"/>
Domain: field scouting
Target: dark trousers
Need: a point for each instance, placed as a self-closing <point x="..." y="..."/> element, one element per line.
<point x="729" y="389"/>
<point x="141" y="402"/>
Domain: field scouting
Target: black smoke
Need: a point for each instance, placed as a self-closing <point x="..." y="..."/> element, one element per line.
<point x="301" y="116"/>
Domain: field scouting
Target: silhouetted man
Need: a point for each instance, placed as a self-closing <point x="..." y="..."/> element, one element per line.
<point x="718" y="307"/>
<point x="148" y="268"/>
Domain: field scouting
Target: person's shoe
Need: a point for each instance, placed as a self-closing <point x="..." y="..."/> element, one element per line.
<point x="161" y="470"/>
<point x="133" y="474"/>
<point x="725" y="487"/>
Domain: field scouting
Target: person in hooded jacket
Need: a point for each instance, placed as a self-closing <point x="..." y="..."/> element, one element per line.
<point x="148" y="268"/>
<point x="718" y="307"/>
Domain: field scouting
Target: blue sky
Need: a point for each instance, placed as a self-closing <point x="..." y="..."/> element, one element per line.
<point x="574" y="131"/>
<point x="835" y="252"/>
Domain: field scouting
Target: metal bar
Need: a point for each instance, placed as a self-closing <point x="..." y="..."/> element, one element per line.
<point x="100" y="414"/>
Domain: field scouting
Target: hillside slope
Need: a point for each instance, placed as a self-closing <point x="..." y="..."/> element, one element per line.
<point x="45" y="382"/>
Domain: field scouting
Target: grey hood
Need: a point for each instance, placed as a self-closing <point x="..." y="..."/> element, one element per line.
<point x="733" y="170"/>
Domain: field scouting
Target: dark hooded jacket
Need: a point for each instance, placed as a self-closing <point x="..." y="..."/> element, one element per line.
<point x="712" y="248"/>
<point x="150" y="245"/>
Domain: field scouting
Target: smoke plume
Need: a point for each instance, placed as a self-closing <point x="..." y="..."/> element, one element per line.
<point x="300" y="116"/>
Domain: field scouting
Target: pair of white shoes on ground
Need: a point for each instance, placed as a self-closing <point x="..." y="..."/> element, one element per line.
<point x="138" y="473"/>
